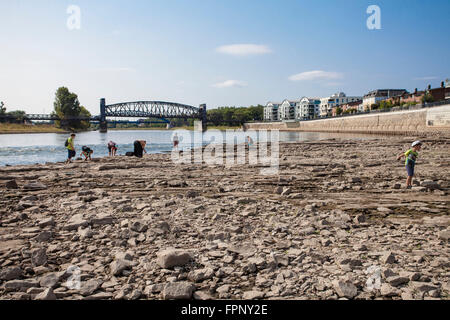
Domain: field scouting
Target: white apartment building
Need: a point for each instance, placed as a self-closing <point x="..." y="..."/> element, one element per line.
<point x="337" y="99"/>
<point x="287" y="110"/>
<point x="271" y="111"/>
<point x="307" y="108"/>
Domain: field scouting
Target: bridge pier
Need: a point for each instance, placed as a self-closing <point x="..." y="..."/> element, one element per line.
<point x="203" y="117"/>
<point x="103" y="122"/>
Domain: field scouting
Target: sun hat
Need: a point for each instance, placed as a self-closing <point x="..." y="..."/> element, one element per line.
<point x="416" y="143"/>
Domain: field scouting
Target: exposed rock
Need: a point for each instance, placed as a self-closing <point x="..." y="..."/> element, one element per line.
<point x="172" y="257"/>
<point x="345" y="289"/>
<point x="38" y="257"/>
<point x="253" y="295"/>
<point x="102" y="219"/>
<point x="388" y="258"/>
<point x="444" y="235"/>
<point x="11" y="273"/>
<point x="200" y="275"/>
<point x="46" y="222"/>
<point x="12" y="184"/>
<point x="118" y="266"/>
<point x="75" y="222"/>
<point x="21" y="284"/>
<point x="89" y="287"/>
<point x="138" y="226"/>
<point x="35" y="186"/>
<point x="178" y="291"/>
<point x="50" y="280"/>
<point x="47" y="294"/>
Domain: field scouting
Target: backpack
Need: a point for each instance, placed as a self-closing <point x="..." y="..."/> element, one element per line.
<point x="67" y="143"/>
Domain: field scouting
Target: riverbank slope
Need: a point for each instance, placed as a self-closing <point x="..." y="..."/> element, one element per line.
<point x="336" y="212"/>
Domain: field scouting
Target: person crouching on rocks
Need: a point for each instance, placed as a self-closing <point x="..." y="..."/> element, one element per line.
<point x="112" y="148"/>
<point x="411" y="157"/>
<point x="139" y="148"/>
<point x="87" y="152"/>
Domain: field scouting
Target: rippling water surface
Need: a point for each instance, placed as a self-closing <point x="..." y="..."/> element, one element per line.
<point x="49" y="147"/>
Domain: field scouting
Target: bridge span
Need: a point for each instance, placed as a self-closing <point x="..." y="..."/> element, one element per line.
<point x="138" y="109"/>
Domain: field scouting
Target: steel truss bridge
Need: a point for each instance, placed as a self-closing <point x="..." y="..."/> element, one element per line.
<point x="140" y="109"/>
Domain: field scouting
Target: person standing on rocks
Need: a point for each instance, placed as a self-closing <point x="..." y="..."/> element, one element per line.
<point x="70" y="148"/>
<point x="176" y="141"/>
<point x="139" y="148"/>
<point x="411" y="157"/>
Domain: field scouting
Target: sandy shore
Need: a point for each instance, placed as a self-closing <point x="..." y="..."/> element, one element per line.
<point x="336" y="216"/>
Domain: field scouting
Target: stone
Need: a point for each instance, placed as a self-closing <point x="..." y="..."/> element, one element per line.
<point x="75" y="222"/>
<point x="444" y="235"/>
<point x="396" y="281"/>
<point x="172" y="258"/>
<point x="118" y="266"/>
<point x="85" y="233"/>
<point x="100" y="296"/>
<point x="44" y="236"/>
<point x="35" y="186"/>
<point x="178" y="291"/>
<point x="201" y="275"/>
<point x="50" y="280"/>
<point x="21" y="284"/>
<point x="124" y="256"/>
<point x="345" y="289"/>
<point x="423" y="286"/>
<point x="138" y="226"/>
<point x="89" y="287"/>
<point x="430" y="184"/>
<point x="46" y="222"/>
<point x="388" y="258"/>
<point x="202" y="295"/>
<point x="388" y="291"/>
<point x="47" y="294"/>
<point x="11" y="273"/>
<point x="102" y="219"/>
<point x="12" y="184"/>
<point x="360" y="218"/>
<point x="38" y="257"/>
<point x="253" y="295"/>
<point x="191" y="194"/>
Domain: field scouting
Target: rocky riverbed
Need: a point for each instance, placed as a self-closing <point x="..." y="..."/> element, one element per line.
<point x="335" y="223"/>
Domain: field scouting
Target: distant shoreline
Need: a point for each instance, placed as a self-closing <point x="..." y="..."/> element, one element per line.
<point x="48" y="129"/>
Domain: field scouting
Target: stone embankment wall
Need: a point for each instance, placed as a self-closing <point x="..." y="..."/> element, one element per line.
<point x="436" y="119"/>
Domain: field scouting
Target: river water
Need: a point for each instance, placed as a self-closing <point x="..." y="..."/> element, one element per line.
<point x="16" y="149"/>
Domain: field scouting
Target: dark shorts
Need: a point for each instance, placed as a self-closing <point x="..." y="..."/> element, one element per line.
<point x="410" y="170"/>
<point x="112" y="148"/>
<point x="70" y="153"/>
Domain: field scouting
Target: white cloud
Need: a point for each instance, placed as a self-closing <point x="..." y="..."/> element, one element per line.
<point x="316" y="75"/>
<point x="243" y="49"/>
<point x="230" y="84"/>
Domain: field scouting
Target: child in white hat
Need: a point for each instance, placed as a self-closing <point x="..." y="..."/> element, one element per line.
<point x="411" y="157"/>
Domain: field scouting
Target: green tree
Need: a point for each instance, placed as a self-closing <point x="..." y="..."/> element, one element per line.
<point x="427" y="97"/>
<point x="67" y="106"/>
<point x="2" y="108"/>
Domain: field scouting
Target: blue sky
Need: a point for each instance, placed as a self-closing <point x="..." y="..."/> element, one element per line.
<point x="217" y="52"/>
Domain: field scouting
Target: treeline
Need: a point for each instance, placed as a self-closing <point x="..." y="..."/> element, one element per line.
<point x="231" y="116"/>
<point x="16" y="116"/>
<point x="67" y="106"/>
